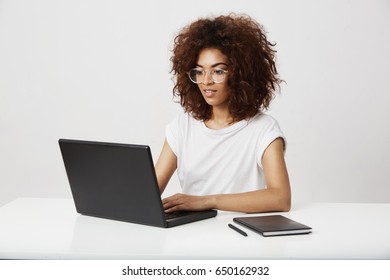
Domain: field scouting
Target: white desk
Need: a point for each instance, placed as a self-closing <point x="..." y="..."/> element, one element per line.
<point x="33" y="228"/>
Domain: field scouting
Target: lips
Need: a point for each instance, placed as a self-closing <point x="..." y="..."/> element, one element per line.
<point x="209" y="92"/>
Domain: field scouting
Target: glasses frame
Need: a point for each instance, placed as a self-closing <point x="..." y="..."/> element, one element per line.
<point x="211" y="71"/>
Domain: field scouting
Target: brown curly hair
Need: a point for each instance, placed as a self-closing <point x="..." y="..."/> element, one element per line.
<point x="253" y="77"/>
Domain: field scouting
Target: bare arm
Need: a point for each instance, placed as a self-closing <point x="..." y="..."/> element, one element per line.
<point x="165" y="166"/>
<point x="276" y="197"/>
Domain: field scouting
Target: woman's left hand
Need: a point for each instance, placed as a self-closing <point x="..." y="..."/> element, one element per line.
<point x="179" y="202"/>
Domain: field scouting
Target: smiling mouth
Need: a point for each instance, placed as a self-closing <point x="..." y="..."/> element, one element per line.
<point x="209" y="92"/>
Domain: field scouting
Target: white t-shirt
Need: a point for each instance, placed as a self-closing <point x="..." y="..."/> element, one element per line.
<point x="221" y="161"/>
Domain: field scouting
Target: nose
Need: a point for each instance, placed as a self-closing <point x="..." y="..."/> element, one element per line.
<point x="207" y="79"/>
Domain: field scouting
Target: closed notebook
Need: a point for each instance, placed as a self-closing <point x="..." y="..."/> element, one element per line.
<point x="273" y="225"/>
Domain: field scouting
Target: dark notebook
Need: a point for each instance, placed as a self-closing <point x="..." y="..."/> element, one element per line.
<point x="273" y="225"/>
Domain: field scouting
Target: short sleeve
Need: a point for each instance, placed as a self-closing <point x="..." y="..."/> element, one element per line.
<point x="270" y="133"/>
<point x="172" y="135"/>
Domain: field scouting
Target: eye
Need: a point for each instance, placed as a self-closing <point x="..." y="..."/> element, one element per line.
<point x="219" y="72"/>
<point x="198" y="72"/>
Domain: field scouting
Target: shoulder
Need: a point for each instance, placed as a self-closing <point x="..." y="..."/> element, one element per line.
<point x="262" y="120"/>
<point x="182" y="121"/>
<point x="183" y="118"/>
<point x="266" y="128"/>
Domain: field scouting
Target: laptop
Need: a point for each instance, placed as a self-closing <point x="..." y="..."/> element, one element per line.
<point x="118" y="182"/>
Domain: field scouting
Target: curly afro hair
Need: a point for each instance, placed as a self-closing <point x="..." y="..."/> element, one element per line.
<point x="253" y="77"/>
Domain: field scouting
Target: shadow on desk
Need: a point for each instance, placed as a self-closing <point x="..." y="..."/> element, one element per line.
<point x="97" y="236"/>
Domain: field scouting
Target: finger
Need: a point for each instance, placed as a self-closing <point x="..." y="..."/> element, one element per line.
<point x="173" y="209"/>
<point x="168" y="205"/>
<point x="171" y="203"/>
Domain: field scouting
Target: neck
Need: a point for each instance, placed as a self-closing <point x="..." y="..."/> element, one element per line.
<point x="219" y="119"/>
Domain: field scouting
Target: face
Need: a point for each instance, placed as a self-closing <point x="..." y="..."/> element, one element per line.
<point x="215" y="94"/>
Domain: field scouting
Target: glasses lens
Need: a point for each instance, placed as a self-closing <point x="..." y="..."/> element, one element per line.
<point x="218" y="75"/>
<point x="196" y="75"/>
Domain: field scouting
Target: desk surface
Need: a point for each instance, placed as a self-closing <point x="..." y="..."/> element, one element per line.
<point x="35" y="228"/>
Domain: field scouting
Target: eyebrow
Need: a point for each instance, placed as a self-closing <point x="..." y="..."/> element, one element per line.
<point x="214" y="65"/>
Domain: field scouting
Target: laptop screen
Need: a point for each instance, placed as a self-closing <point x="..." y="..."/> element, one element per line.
<point x="115" y="181"/>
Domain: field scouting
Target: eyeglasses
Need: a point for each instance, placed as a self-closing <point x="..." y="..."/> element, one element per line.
<point x="198" y="76"/>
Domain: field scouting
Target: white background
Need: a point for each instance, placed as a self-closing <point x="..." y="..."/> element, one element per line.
<point x="99" y="70"/>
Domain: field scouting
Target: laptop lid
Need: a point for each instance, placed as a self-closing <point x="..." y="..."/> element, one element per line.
<point x="117" y="181"/>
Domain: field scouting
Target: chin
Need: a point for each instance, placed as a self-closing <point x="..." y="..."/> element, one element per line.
<point x="212" y="103"/>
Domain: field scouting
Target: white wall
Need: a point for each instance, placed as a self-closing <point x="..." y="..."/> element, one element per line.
<point x="99" y="70"/>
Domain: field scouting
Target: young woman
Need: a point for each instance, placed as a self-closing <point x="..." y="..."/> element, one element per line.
<point x="228" y="154"/>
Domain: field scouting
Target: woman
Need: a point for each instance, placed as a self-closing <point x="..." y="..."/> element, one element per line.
<point x="228" y="154"/>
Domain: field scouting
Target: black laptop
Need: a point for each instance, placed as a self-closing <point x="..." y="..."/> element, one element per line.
<point x="118" y="181"/>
